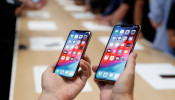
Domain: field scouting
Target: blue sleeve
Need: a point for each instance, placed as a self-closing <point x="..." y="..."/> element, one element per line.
<point x="156" y="10"/>
<point x="112" y="7"/>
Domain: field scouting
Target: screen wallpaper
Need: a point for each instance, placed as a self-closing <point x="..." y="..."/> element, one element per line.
<point x="117" y="51"/>
<point x="71" y="54"/>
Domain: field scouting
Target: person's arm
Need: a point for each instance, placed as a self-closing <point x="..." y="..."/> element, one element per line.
<point x="138" y="14"/>
<point x="171" y="37"/>
<point x="120" y="13"/>
<point x="156" y="12"/>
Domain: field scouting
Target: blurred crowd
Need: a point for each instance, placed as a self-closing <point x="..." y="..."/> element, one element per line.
<point x="156" y="17"/>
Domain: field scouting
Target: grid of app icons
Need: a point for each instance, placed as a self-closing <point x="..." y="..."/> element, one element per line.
<point x="71" y="54"/>
<point x="109" y="75"/>
<point x="119" y="44"/>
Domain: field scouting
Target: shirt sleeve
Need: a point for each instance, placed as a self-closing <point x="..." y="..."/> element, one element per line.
<point x="10" y="1"/>
<point x="156" y="10"/>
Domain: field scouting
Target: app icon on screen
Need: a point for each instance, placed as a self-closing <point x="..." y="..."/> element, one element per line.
<point x="122" y="44"/>
<point x="125" y="51"/>
<point x="62" y="72"/>
<point x="111" y="75"/>
<point x="117" y="58"/>
<point x="79" y="53"/>
<point x="81" y="36"/>
<point x="72" y="35"/>
<point x="66" y="72"/>
<point x="74" y="41"/>
<point x="127" y="32"/>
<point x="122" y="31"/>
<point x="113" y="37"/>
<point x="76" y="59"/>
<point x="133" y="32"/>
<point x="111" y="44"/>
<point x="67" y="47"/>
<point x="83" y="42"/>
<point x="74" y="53"/>
<point x="116" y="76"/>
<point x="109" y="50"/>
<point x="65" y="51"/>
<point x="120" y="51"/>
<point x="76" y="36"/>
<point x="85" y="37"/>
<point x="99" y="74"/>
<point x="114" y="51"/>
<point x="130" y="38"/>
<point x="106" y="57"/>
<point x="78" y="42"/>
<point x="117" y="44"/>
<point x="111" y="58"/>
<point x="72" y="58"/>
<point x="69" y="53"/>
<point x="128" y="45"/>
<point x="57" y="71"/>
<point x="71" y="73"/>
<point x="123" y="58"/>
<point x="63" y="57"/>
<point x="119" y="38"/>
<point x="67" y="58"/>
<point x="76" y="47"/>
<point x="81" y="47"/>
<point x="105" y="74"/>
<point x="125" y="38"/>
<point x="116" y="31"/>
<point x="71" y="47"/>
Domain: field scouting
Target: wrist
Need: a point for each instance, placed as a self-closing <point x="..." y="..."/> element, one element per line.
<point x="123" y="96"/>
<point x="48" y="96"/>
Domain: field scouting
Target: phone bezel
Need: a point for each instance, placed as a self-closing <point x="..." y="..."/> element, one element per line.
<point x="78" y="31"/>
<point x="132" y="48"/>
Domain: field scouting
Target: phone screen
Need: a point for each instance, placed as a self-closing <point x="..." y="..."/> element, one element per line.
<point x="119" y="46"/>
<point x="72" y="52"/>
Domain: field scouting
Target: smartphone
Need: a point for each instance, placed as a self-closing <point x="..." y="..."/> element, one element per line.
<point x="120" y="44"/>
<point x="73" y="51"/>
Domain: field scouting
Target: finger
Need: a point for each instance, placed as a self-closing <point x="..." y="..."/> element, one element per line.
<point x="88" y="65"/>
<point x="130" y="66"/>
<point x="85" y="75"/>
<point x="94" y="68"/>
<point x="51" y="67"/>
<point x="86" y="58"/>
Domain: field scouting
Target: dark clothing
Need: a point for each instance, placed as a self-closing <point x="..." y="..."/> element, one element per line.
<point x="114" y="4"/>
<point x="147" y="29"/>
<point x="7" y="23"/>
<point x="130" y="14"/>
<point x="171" y="19"/>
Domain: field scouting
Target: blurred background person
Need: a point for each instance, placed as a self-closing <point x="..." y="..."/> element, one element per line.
<point x="141" y="11"/>
<point x="171" y="27"/>
<point x="124" y="14"/>
<point x="159" y="12"/>
<point x="9" y="10"/>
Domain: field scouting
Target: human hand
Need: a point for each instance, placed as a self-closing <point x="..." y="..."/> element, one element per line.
<point x="123" y="87"/>
<point x="55" y="87"/>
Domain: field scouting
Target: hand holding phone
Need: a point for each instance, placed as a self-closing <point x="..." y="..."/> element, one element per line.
<point x="121" y="43"/>
<point x="55" y="87"/>
<point x="123" y="88"/>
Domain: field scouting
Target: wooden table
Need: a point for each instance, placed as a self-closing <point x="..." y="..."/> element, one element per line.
<point x="24" y="83"/>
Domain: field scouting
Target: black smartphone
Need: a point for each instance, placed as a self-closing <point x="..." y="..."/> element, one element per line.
<point x="120" y="44"/>
<point x="73" y="51"/>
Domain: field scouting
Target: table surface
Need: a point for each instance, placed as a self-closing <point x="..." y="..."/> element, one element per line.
<point x="24" y="88"/>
